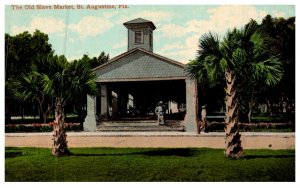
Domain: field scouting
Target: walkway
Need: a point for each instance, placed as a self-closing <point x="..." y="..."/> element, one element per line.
<point x="250" y="140"/>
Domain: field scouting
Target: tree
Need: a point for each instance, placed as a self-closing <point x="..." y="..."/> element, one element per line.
<point x="279" y="98"/>
<point x="282" y="42"/>
<point x="102" y="58"/>
<point x="63" y="82"/>
<point x="22" y="49"/>
<point x="238" y="53"/>
<point x="80" y="100"/>
<point x="20" y="53"/>
<point x="207" y="78"/>
<point x="95" y="61"/>
<point x="30" y="88"/>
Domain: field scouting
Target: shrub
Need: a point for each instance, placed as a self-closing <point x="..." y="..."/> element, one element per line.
<point x="36" y="127"/>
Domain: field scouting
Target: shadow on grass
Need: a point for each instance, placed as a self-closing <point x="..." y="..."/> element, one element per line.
<point x="95" y="154"/>
<point x="13" y="154"/>
<point x="268" y="156"/>
<point x="181" y="152"/>
<point x="185" y="152"/>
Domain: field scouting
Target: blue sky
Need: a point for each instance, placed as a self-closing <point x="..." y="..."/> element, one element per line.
<point x="76" y="32"/>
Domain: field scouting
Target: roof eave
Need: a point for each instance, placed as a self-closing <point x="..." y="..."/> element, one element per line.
<point x="129" y="25"/>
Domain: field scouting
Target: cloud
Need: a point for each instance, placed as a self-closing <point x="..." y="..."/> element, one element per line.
<point x="90" y="26"/>
<point x="182" y="52"/>
<point x="173" y="30"/>
<point x="219" y="21"/>
<point x="231" y="16"/>
<point x="109" y="14"/>
<point x="171" y="47"/>
<point x="157" y="16"/>
<point x="154" y="16"/>
<point x="278" y="14"/>
<point x="48" y="25"/>
<point x="181" y="55"/>
<point x="72" y="58"/>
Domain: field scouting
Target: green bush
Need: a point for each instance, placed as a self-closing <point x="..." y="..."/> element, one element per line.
<point x="40" y="128"/>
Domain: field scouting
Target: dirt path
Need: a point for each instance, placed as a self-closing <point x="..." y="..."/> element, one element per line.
<point x="174" y="140"/>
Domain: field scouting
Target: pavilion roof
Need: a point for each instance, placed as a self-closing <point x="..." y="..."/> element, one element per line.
<point x="138" y="65"/>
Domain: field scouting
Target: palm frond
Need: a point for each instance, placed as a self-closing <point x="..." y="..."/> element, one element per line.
<point x="249" y="30"/>
<point x="209" y="45"/>
<point x="194" y="70"/>
<point x="47" y="84"/>
<point x="270" y="70"/>
<point x="260" y="43"/>
<point x="239" y="56"/>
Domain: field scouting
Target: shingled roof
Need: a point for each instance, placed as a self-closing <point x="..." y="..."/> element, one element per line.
<point x="139" y="21"/>
<point x="139" y="64"/>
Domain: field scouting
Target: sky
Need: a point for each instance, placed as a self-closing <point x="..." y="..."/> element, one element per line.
<point x="92" y="31"/>
<point x="74" y="32"/>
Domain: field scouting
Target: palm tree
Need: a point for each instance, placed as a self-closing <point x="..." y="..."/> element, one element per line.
<point x="207" y="77"/>
<point x="29" y="88"/>
<point x="242" y="55"/>
<point x="63" y="82"/>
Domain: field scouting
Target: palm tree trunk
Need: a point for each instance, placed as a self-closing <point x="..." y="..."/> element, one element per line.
<point x="249" y="114"/>
<point x="250" y="106"/>
<point x="59" y="147"/>
<point x="43" y="115"/>
<point x="233" y="147"/>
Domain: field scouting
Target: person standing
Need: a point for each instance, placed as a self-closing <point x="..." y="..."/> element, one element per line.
<point x="159" y="111"/>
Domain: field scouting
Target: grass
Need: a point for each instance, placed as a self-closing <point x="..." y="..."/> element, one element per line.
<point x="148" y="164"/>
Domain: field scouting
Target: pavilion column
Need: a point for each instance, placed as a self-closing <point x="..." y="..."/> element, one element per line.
<point x="90" y="119"/>
<point x="190" y="119"/>
<point x="104" y="102"/>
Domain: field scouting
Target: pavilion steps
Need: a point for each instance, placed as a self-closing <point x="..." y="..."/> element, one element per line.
<point x="139" y="126"/>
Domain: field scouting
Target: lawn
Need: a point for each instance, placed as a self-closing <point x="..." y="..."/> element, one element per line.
<point x="148" y="164"/>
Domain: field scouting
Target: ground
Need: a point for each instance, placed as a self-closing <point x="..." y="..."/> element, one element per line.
<point x="148" y="164"/>
<point x="250" y="140"/>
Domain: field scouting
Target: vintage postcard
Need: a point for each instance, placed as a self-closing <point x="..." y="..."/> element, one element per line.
<point x="175" y="89"/>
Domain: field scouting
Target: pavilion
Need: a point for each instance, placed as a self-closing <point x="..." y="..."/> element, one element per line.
<point x="133" y="82"/>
